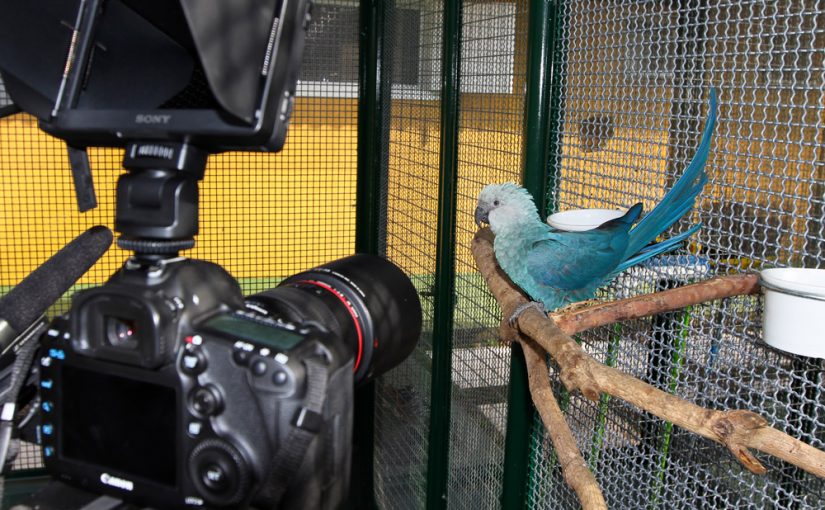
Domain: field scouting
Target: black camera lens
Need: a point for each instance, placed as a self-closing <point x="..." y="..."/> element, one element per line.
<point x="121" y="333"/>
<point x="368" y="302"/>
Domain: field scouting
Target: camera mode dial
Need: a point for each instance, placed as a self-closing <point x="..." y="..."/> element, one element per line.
<point x="219" y="472"/>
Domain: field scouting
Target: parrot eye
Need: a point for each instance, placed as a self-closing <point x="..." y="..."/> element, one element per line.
<point x="495" y="203"/>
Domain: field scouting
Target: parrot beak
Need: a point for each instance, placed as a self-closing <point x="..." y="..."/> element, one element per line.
<point x="481" y="216"/>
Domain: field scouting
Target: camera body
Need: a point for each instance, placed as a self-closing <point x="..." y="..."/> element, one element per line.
<point x="165" y="388"/>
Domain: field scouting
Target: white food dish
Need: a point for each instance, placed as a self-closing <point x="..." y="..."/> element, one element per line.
<point x="794" y="315"/>
<point x="579" y="220"/>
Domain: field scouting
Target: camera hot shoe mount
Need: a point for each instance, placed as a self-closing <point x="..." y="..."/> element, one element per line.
<point x="157" y="199"/>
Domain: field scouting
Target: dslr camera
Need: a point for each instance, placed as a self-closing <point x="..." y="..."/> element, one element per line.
<point x="165" y="386"/>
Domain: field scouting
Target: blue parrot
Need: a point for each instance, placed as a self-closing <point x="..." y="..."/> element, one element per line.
<point x="556" y="267"/>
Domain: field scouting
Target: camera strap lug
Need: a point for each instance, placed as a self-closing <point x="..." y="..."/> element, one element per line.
<point x="308" y="420"/>
<point x="306" y="425"/>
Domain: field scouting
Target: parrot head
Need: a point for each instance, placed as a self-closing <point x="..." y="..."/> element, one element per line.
<point x="507" y="203"/>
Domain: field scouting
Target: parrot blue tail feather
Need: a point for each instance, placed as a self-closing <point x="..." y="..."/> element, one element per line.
<point x="675" y="240"/>
<point x="657" y="249"/>
<point x="680" y="213"/>
<point x="681" y="197"/>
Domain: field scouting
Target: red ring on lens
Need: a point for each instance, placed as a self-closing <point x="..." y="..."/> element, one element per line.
<point x="352" y="314"/>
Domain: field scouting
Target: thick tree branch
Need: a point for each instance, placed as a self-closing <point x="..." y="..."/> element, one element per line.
<point x="738" y="430"/>
<point x="573" y="467"/>
<point x="572" y="322"/>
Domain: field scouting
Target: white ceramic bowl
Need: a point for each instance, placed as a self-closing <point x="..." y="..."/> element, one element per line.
<point x="578" y="220"/>
<point x="794" y="315"/>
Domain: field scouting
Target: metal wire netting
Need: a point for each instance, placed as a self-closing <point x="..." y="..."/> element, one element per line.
<point x="489" y="140"/>
<point x="413" y="43"/>
<point x="634" y="80"/>
<point x="493" y="59"/>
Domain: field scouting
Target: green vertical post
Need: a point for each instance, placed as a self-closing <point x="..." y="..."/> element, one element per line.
<point x="537" y="114"/>
<point x="371" y="106"/>
<point x="372" y="99"/>
<point x="438" y="454"/>
<point x="535" y="154"/>
<point x="597" y="439"/>
<point x="555" y="120"/>
<point x="517" y="439"/>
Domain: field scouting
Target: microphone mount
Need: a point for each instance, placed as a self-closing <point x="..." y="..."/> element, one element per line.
<point x="157" y="199"/>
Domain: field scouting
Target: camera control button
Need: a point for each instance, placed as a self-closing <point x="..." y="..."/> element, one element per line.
<point x="206" y="400"/>
<point x="241" y="357"/>
<point x="259" y="367"/>
<point x="280" y="377"/>
<point x="193" y="362"/>
<point x="214" y="477"/>
<point x="194" y="428"/>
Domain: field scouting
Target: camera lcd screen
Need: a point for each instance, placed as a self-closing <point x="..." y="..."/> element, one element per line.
<point x="121" y="424"/>
<point x="252" y="331"/>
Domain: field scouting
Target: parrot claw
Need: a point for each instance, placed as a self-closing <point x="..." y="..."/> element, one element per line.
<point x="521" y="309"/>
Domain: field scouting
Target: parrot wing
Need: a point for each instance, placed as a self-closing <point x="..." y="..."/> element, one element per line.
<point x="573" y="260"/>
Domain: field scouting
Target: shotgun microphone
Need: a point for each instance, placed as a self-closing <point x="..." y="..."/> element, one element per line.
<point x="30" y="299"/>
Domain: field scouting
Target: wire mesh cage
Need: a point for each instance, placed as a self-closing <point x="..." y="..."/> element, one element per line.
<point x="630" y="82"/>
<point x="489" y="141"/>
<point x="634" y="78"/>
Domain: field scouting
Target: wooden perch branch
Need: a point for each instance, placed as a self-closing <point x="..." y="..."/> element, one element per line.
<point x="573" y="467"/>
<point x="572" y="322"/>
<point x="738" y="430"/>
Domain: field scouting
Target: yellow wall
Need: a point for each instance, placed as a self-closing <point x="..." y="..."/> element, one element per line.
<point x="270" y="215"/>
<point x="261" y="215"/>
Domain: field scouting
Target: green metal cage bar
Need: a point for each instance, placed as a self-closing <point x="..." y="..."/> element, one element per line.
<point x="537" y="152"/>
<point x="557" y="77"/>
<point x="438" y="462"/>
<point x="543" y="102"/>
<point x="372" y="90"/>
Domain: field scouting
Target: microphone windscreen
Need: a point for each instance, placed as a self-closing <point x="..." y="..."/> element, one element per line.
<point x="39" y="290"/>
